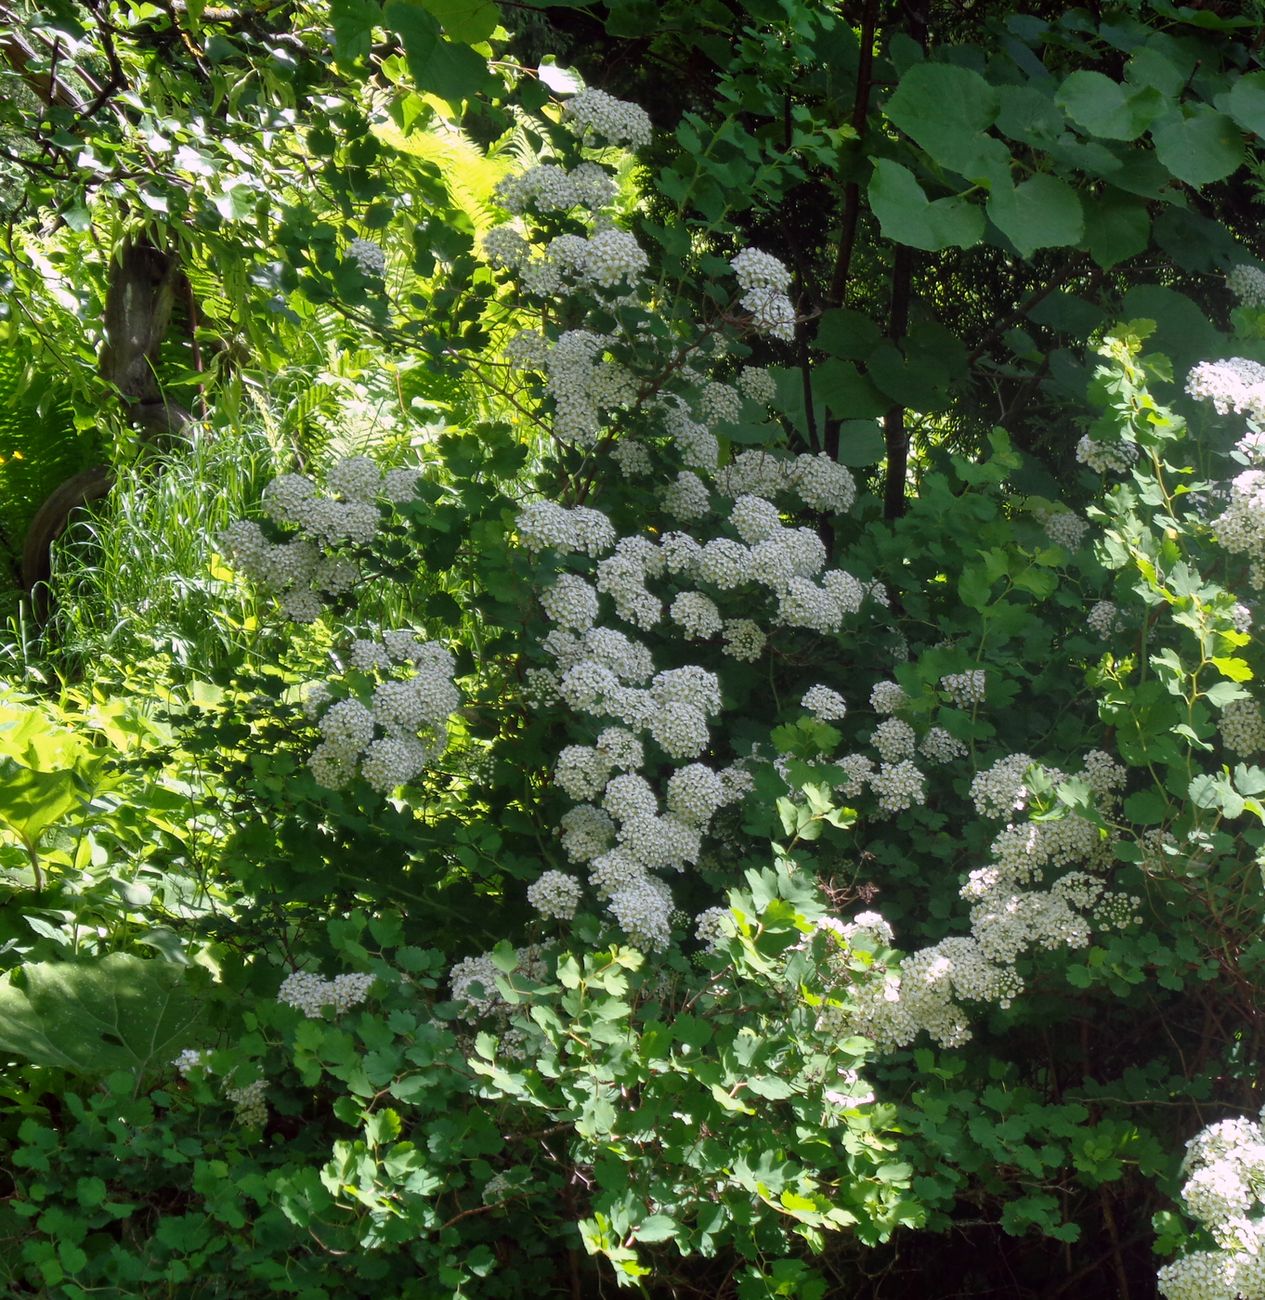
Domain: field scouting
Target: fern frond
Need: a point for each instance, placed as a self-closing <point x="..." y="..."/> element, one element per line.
<point x="469" y="172"/>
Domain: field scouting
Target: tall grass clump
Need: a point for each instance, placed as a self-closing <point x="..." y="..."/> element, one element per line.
<point x="133" y="576"/>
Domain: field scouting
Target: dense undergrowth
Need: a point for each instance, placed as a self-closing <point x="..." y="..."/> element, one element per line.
<point x="681" y="711"/>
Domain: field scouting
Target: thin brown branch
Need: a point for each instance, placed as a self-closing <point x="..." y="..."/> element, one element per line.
<point x="895" y="432"/>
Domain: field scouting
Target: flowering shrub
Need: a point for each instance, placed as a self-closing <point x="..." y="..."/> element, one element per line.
<point x="991" y="750"/>
<point x="722" y="647"/>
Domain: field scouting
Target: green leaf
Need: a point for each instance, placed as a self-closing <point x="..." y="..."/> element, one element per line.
<point x="1245" y="102"/>
<point x="1237" y="670"/>
<point x="1028" y="115"/>
<point x="945" y="109"/>
<point x="505" y="957"/>
<point x="914" y="382"/>
<point x="1146" y="808"/>
<point x="907" y="216"/>
<point x="770" y="1087"/>
<point x="658" y="1227"/>
<point x="31" y="801"/>
<point x="467" y="21"/>
<point x="1167" y="69"/>
<point x="1107" y="109"/>
<point x="848" y="394"/>
<point x="353" y="22"/>
<point x="90" y="1192"/>
<point x="1199" y="148"/>
<point x="860" y="442"/>
<point x="236" y="201"/>
<point x="453" y="72"/>
<point x="561" y="80"/>
<point x="849" y="334"/>
<point x="1225" y="693"/>
<point x="728" y="1102"/>
<point x="1249" y="780"/>
<point x="1043" y="212"/>
<point x="1116" y="227"/>
<point x="93" y="1017"/>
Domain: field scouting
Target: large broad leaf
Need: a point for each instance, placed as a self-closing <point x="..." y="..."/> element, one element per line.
<point x="845" y="333"/>
<point x="1203" y="147"/>
<point x="1116" y="227"/>
<point x="94" y="1017"/>
<point x="946" y="110"/>
<point x="1043" y="212"/>
<point x="1028" y="115"/>
<point x="914" y="381"/>
<point x="907" y="216"/>
<point x="1163" y="63"/>
<point x="453" y="72"/>
<point x="31" y="801"/>
<point x="848" y="393"/>
<point x="353" y="22"/>
<point x="31" y="736"/>
<point x="860" y="442"/>
<point x="1107" y="109"/>
<point x="468" y="21"/>
<point x="1194" y="242"/>
<point x="1245" y="102"/>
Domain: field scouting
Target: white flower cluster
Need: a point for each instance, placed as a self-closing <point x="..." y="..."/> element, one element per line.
<point x="764" y="282"/>
<point x="615" y="121"/>
<point x="966" y="689"/>
<point x="188" y="1061"/>
<point x="824" y="704"/>
<point x="1107" y="777"/>
<point x="405" y="727"/>
<point x="402" y="730"/>
<point x="1234" y="385"/>
<point x="713" y="927"/>
<point x="311" y="994"/>
<point x="298" y="571"/>
<point x="1241" y="526"/>
<point x="1104" y="618"/>
<point x="473" y="981"/>
<point x="498" y="1188"/>
<point x="367" y="257"/>
<point x="550" y="188"/>
<point x="555" y="895"/>
<point x="576" y="531"/>
<point x="941" y="746"/>
<point x="898" y="785"/>
<point x="894" y="740"/>
<point x="744" y="639"/>
<point x="1065" y="529"/>
<point x="584" y="385"/>
<point x="887" y="697"/>
<point x="1243" y="727"/>
<point x="248" y="1100"/>
<point x="1010" y="916"/>
<point x="755" y="383"/>
<point x="608" y="259"/>
<point x="999" y="791"/>
<point x="1223" y="1193"/>
<point x="647" y="790"/>
<point x="1247" y="283"/>
<point x="1106" y="457"/>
